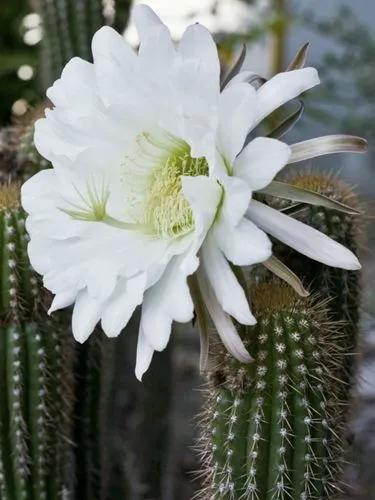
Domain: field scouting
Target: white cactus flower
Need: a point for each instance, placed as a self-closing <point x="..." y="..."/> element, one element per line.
<point x="152" y="182"/>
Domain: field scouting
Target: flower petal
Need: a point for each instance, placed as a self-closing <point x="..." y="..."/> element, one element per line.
<point x="114" y="61"/>
<point x="145" y="353"/>
<point x="237" y="112"/>
<point x="62" y="300"/>
<point x="197" y="89"/>
<point x="282" y="88"/>
<point x="248" y="77"/>
<point x="237" y="196"/>
<point x="50" y="145"/>
<point x="121" y="305"/>
<point x="302" y="237"/>
<point x="191" y="107"/>
<point x="244" y="244"/>
<point x="299" y="60"/>
<point x="86" y="314"/>
<point x="38" y="192"/>
<point x="203" y="195"/>
<point x="75" y="89"/>
<point x="236" y="68"/>
<point x="156" y="52"/>
<point x="228" y="291"/>
<point x="327" y="145"/>
<point x="302" y="195"/>
<point x="198" y="45"/>
<point x="283" y="272"/>
<point x="222" y="321"/>
<point x="102" y="282"/>
<point x="260" y="161"/>
<point x="146" y="21"/>
<point x="168" y="300"/>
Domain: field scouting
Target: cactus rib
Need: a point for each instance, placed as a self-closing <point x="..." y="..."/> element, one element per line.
<point x="273" y="430"/>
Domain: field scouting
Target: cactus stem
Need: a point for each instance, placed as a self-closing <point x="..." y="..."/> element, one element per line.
<point x="37" y="409"/>
<point x="18" y="450"/>
<point x="273" y="430"/>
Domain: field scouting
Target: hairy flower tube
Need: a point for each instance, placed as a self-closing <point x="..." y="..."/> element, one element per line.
<point x="152" y="181"/>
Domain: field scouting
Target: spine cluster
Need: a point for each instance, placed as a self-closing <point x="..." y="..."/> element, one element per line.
<point x="273" y="430"/>
<point x="35" y="359"/>
<point x="341" y="287"/>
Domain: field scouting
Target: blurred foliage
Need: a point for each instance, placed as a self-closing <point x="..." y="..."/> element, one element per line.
<point x="348" y="72"/>
<point x="345" y="67"/>
<point x="14" y="53"/>
<point x="272" y="21"/>
<point x="348" y="75"/>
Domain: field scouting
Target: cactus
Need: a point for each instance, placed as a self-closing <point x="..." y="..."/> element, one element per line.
<point x="9" y="142"/>
<point x="340" y="286"/>
<point x="28" y="158"/>
<point x="149" y="432"/>
<point x="93" y="375"/>
<point x="12" y="160"/>
<point x="274" y="429"/>
<point x="118" y="13"/>
<point x="19" y="158"/>
<point x="35" y="361"/>
<point x="141" y="419"/>
<point x="68" y="28"/>
<point x="78" y="390"/>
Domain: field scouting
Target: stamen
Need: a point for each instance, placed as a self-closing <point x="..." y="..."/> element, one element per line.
<point x="94" y="203"/>
<point x="166" y="209"/>
<point x="94" y="207"/>
<point x="152" y="183"/>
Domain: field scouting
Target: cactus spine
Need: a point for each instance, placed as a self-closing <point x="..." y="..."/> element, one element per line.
<point x="340" y="286"/>
<point x="35" y="357"/>
<point x="274" y="429"/>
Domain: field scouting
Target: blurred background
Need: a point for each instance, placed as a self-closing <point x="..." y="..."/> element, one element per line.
<point x="342" y="38"/>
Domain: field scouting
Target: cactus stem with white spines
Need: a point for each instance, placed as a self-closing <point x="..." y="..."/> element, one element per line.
<point x="342" y="287"/>
<point x="273" y="430"/>
<point x="30" y="387"/>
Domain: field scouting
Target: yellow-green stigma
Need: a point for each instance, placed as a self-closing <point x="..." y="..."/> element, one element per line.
<point x="93" y="207"/>
<point x="166" y="210"/>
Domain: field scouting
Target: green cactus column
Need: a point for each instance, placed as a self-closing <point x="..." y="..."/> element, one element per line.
<point x="35" y="360"/>
<point x="274" y="429"/>
<point x="141" y="421"/>
<point x="340" y="286"/>
<point x="92" y="425"/>
<point x="68" y="28"/>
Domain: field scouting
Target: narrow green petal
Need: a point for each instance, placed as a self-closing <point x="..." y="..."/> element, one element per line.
<point x="326" y="145"/>
<point x="283" y="272"/>
<point x="236" y="68"/>
<point x="200" y="311"/>
<point x="302" y="195"/>
<point x="289" y="122"/>
<point x="299" y="60"/>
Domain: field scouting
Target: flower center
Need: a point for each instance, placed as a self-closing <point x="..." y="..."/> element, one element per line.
<point x="157" y="201"/>
<point x="166" y="208"/>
